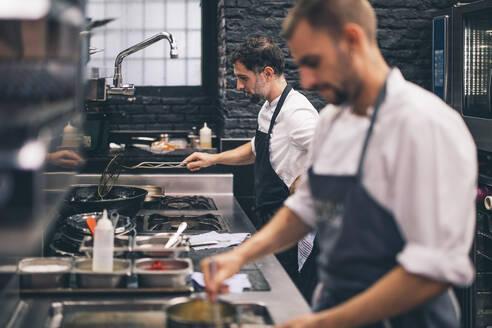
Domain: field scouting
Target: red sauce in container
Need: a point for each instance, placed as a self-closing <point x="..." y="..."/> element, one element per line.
<point x="157" y="266"/>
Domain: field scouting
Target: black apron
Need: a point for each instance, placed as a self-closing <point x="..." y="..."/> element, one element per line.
<point x="271" y="191"/>
<point x="359" y="241"/>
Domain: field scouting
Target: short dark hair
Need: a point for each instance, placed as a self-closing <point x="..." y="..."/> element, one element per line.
<point x="256" y="53"/>
<point x="332" y="15"/>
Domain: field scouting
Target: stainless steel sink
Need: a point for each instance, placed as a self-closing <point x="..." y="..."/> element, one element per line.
<point x="135" y="314"/>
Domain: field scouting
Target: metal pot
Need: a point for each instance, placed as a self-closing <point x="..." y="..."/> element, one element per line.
<point x="127" y="200"/>
<point x="198" y="313"/>
<point x="76" y="227"/>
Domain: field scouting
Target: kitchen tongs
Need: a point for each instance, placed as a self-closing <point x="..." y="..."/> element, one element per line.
<point x="115" y="166"/>
<point x="155" y="165"/>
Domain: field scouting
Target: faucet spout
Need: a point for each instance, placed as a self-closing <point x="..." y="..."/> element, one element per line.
<point x="139" y="46"/>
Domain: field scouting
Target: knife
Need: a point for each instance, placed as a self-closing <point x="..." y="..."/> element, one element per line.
<point x="174" y="238"/>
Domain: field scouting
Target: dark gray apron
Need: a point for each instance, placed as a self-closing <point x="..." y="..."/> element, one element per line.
<point x="359" y="241"/>
<point x="271" y="191"/>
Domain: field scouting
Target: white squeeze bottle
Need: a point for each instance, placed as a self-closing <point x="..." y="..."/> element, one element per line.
<point x="102" y="260"/>
<point x="205" y="137"/>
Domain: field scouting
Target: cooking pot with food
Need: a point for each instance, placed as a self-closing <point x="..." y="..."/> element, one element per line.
<point x="200" y="313"/>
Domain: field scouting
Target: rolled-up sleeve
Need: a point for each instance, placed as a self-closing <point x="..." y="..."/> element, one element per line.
<point x="302" y="204"/>
<point x="253" y="145"/>
<point x="435" y="187"/>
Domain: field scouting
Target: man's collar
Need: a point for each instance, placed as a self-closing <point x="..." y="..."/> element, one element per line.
<point x="273" y="104"/>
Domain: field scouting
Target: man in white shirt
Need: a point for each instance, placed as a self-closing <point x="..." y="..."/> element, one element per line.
<point x="390" y="188"/>
<point x="286" y="124"/>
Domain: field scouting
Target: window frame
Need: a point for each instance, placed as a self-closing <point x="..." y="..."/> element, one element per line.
<point x="208" y="86"/>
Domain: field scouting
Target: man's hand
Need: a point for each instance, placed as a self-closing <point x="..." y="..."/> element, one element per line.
<point x="294" y="184"/>
<point x="197" y="161"/>
<point x="65" y="158"/>
<point x="227" y="264"/>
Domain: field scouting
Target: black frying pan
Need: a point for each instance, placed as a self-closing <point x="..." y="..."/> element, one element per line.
<point x="127" y="200"/>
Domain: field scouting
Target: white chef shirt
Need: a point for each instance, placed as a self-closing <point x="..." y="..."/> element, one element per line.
<point x="420" y="165"/>
<point x="291" y="134"/>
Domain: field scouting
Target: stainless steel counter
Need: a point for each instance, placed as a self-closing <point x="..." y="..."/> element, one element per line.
<point x="283" y="301"/>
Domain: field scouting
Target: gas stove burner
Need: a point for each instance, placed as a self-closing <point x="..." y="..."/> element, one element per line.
<point x="179" y="205"/>
<point x="198" y="223"/>
<point x="183" y="203"/>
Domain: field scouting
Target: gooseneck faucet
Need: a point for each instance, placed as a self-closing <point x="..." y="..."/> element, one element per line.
<point x="139" y="46"/>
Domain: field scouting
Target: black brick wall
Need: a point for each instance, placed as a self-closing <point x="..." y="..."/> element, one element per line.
<point x="158" y="112"/>
<point x="404" y="38"/>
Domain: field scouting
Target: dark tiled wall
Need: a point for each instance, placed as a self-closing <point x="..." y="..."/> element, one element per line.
<point x="158" y="112"/>
<point x="404" y="37"/>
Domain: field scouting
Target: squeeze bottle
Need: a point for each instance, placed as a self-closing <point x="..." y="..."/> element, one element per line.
<point x="102" y="260"/>
<point x="205" y="137"/>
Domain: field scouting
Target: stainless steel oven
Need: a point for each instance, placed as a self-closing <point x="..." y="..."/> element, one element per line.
<point x="461" y="76"/>
<point x="472" y="63"/>
<point x="462" y="65"/>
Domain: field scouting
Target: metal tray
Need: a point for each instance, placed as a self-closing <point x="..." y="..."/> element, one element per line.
<point x="136" y="314"/>
<point x="153" y="246"/>
<point x="78" y="280"/>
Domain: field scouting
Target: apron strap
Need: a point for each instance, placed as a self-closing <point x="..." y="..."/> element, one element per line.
<point x="279" y="106"/>
<point x="377" y="105"/>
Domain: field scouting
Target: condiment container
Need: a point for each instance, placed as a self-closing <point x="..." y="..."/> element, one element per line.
<point x="87" y="278"/>
<point x="163" y="272"/>
<point x="153" y="246"/>
<point x="44" y="272"/>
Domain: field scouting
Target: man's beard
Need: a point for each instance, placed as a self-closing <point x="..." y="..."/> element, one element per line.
<point x="339" y="96"/>
<point x="259" y="91"/>
<point x="255" y="98"/>
<point x="346" y="93"/>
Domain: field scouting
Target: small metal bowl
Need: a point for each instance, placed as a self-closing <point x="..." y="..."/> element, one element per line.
<point x="86" y="278"/>
<point x="153" y="246"/>
<point x="177" y="273"/>
<point x="44" y="272"/>
<point x="122" y="245"/>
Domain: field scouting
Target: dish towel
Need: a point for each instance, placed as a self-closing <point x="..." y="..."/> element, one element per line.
<point x="304" y="248"/>
<point x="237" y="283"/>
<point x="222" y="239"/>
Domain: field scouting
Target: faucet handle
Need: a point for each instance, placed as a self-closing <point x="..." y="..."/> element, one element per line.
<point x="125" y="89"/>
